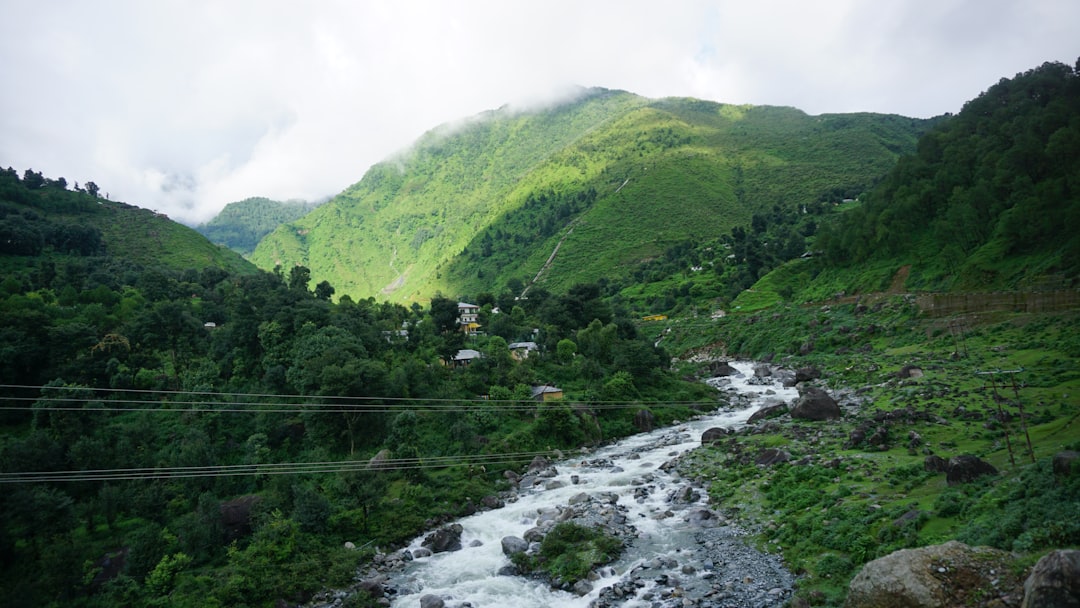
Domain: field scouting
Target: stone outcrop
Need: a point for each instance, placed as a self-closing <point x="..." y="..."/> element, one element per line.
<point x="771" y="456"/>
<point x="380" y="460"/>
<point x="935" y="464"/>
<point x="236" y="516"/>
<point x="644" y="421"/>
<point x="1054" y="581"/>
<point x="815" y="404"/>
<point x="447" y="538"/>
<point x="1066" y="463"/>
<point x="938" y="576"/>
<point x="965" y="468"/>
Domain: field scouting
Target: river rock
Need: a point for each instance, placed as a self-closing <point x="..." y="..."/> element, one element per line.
<point x="582" y="587"/>
<point x="372" y="586"/>
<point x="513" y="544"/>
<point x="538" y="463"/>
<point x="421" y="552"/>
<point x="722" y="369"/>
<point x="815" y="404"/>
<point x="447" y="538"/>
<point x="1054" y="581"/>
<point x="432" y="601"/>
<point x="965" y="468"/>
<point x="703" y="518"/>
<point x="714" y="434"/>
<point x="644" y="421"/>
<point x="805" y="374"/>
<point x="769" y="411"/>
<point x="952" y="574"/>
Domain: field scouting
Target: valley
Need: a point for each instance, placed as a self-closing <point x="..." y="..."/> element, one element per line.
<point x="182" y="426"/>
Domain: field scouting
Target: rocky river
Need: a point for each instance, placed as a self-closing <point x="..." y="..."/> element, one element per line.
<point x="679" y="552"/>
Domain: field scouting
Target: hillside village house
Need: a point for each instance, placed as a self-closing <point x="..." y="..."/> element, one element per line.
<point x="521" y="350"/>
<point x="465" y="356"/>
<point x="467" y="318"/>
<point x="546" y="393"/>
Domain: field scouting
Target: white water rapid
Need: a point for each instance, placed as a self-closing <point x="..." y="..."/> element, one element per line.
<point x="664" y="543"/>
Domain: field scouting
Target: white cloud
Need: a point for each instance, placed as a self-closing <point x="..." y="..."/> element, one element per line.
<point x="184" y="106"/>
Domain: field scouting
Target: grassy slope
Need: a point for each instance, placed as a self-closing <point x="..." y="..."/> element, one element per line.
<point x="410" y="215"/>
<point x="135" y="234"/>
<point x="657" y="172"/>
<point x="152" y="239"/>
<point x="838" y="509"/>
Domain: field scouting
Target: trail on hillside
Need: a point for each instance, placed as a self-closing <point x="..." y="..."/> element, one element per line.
<point x="551" y="258"/>
<point x="398" y="281"/>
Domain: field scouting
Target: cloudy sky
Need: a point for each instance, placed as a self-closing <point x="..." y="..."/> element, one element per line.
<point x="183" y="106"/>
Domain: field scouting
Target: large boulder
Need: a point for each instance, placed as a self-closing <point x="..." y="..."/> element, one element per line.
<point x="380" y="460"/>
<point x="539" y="463"/>
<point x="771" y="456"/>
<point x="804" y="374"/>
<point x="1054" y="582"/>
<point x="769" y="411"/>
<point x="236" y="515"/>
<point x="447" y="538"/>
<point x="432" y="601"/>
<point x="721" y="369"/>
<point x="714" y="434"/>
<point x="514" y="544"/>
<point x="935" y="464"/>
<point x="644" y="421"/>
<point x="815" y="404"/>
<point x="965" y="468"/>
<point x="1066" y="463"/>
<point x="938" y="576"/>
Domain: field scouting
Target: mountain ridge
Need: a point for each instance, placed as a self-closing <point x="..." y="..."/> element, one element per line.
<point x="416" y="224"/>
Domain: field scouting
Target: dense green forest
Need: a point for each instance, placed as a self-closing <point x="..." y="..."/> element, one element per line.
<point x="241" y="225"/>
<point x="610" y="180"/>
<point x="983" y="202"/>
<point x="124" y="367"/>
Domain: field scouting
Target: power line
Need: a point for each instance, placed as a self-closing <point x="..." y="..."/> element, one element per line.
<point x="405" y="400"/>
<point x="286" y="468"/>
<point x="244" y="407"/>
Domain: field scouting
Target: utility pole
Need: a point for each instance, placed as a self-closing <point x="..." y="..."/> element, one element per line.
<point x="1001" y="412"/>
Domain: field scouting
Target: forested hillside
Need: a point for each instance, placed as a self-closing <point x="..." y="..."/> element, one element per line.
<point x="200" y="437"/>
<point x="42" y="222"/>
<point x="241" y="225"/>
<point x="990" y="200"/>
<point x="610" y="180"/>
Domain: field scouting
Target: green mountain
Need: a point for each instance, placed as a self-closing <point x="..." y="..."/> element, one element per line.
<point x="40" y="219"/>
<point x="990" y="200"/>
<point x="577" y="192"/>
<point x="242" y="224"/>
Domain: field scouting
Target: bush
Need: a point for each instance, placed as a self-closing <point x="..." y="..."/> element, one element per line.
<point x="570" y="551"/>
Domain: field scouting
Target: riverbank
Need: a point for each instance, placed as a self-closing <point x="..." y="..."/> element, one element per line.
<point x="679" y="551"/>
